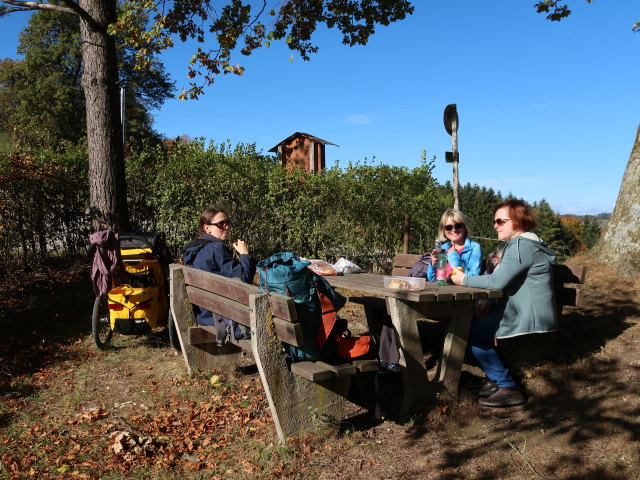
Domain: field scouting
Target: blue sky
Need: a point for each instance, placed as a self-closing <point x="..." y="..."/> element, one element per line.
<point x="547" y="110"/>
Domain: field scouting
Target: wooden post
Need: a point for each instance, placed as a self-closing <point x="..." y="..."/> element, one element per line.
<point x="451" y="126"/>
<point x="454" y="150"/>
<point x="407" y="232"/>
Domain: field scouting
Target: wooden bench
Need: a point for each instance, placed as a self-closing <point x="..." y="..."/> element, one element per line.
<point x="296" y="392"/>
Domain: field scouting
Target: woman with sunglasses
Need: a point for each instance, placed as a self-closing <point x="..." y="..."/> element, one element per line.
<point x="211" y="253"/>
<point x="526" y="307"/>
<point x="454" y="230"/>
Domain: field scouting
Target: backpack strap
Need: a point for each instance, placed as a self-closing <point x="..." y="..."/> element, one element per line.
<point x="328" y="311"/>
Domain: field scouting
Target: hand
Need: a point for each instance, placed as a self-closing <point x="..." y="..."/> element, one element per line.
<point x="457" y="276"/>
<point x="434" y="256"/>
<point x="241" y="247"/>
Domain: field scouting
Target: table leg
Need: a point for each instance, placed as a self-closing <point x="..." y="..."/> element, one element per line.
<point x="455" y="345"/>
<point x="414" y="373"/>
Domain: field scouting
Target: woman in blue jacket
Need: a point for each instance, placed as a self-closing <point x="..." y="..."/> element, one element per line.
<point x="526" y="307"/>
<point x="461" y="250"/>
<point x="210" y="252"/>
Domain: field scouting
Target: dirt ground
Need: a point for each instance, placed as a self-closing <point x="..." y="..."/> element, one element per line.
<point x="68" y="410"/>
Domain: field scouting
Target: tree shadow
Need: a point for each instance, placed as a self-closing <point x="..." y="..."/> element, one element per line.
<point x="580" y="396"/>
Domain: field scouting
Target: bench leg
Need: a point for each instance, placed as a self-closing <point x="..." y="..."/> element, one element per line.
<point x="197" y="357"/>
<point x="296" y="403"/>
<point x="415" y="381"/>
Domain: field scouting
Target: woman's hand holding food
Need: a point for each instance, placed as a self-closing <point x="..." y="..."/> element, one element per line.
<point x="241" y="247"/>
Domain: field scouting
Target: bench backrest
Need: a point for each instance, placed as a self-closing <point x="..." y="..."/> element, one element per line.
<point x="402" y="264"/>
<point x="562" y="275"/>
<point x="229" y="297"/>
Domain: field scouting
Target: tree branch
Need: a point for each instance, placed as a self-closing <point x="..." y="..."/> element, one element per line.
<point x="36" y="6"/>
<point x="75" y="8"/>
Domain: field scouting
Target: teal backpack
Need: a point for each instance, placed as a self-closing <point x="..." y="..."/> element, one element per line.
<point x="316" y="303"/>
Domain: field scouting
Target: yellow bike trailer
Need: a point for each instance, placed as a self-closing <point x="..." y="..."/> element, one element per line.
<point x="138" y="301"/>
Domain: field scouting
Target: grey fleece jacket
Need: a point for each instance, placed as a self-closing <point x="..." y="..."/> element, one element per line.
<point x="525" y="276"/>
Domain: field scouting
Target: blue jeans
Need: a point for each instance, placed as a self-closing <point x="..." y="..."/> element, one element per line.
<point x="481" y="343"/>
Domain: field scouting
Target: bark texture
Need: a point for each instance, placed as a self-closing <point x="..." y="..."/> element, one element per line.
<point x="621" y="241"/>
<point x="107" y="184"/>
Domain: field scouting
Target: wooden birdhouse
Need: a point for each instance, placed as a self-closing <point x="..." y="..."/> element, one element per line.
<point x="302" y="150"/>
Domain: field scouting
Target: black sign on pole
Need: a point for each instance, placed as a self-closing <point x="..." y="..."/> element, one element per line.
<point x="451" y="124"/>
<point x="451" y="118"/>
<point x="451" y="157"/>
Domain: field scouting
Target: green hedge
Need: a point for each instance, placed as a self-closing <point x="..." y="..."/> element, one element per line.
<point x="357" y="211"/>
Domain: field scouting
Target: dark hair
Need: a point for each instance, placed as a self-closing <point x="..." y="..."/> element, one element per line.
<point x="208" y="215"/>
<point x="519" y="213"/>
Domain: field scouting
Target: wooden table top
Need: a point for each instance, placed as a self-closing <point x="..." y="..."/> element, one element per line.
<point x="373" y="285"/>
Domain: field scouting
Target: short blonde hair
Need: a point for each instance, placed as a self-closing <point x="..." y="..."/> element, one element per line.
<point x="458" y="217"/>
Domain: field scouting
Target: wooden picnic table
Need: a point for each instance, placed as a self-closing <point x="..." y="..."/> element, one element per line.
<point x="452" y="303"/>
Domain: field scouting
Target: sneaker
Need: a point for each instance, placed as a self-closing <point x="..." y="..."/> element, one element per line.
<point x="488" y="388"/>
<point x="504" y="397"/>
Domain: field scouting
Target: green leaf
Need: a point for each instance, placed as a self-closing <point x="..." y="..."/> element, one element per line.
<point x="291" y="58"/>
<point x="289" y="38"/>
<point x="270" y="35"/>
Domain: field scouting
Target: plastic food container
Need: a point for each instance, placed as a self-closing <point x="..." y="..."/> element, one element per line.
<point x="404" y="283"/>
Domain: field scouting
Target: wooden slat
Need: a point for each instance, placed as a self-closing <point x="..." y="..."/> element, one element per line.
<point x="368" y="365"/>
<point x="340" y="370"/>
<point x="288" y="332"/>
<point x="201" y="334"/>
<point x="406" y="260"/>
<point x="231" y="309"/>
<point x="243" y="343"/>
<point x="282" y="306"/>
<point x="400" y="272"/>
<point x="568" y="274"/>
<point x="232" y="288"/>
<point x="311" y="371"/>
<point x="373" y="285"/>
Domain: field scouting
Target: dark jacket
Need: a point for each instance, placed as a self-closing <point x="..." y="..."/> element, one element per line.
<point x="212" y="255"/>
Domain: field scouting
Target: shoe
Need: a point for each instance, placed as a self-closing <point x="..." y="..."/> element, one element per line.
<point x="504" y="397"/>
<point x="488" y="388"/>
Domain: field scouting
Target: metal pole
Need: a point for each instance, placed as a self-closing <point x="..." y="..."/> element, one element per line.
<point x="123" y="118"/>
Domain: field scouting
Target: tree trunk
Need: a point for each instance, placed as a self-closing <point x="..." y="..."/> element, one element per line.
<point x="621" y="241"/>
<point x="107" y="183"/>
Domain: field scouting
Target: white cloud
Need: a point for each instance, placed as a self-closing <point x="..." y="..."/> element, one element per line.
<point x="359" y="119"/>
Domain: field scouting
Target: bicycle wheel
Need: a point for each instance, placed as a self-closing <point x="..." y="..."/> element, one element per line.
<point x="100" y="325"/>
<point x="174" y="341"/>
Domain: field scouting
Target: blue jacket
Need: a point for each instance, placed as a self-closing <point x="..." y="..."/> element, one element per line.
<point x="212" y="255"/>
<point x="470" y="259"/>
<point x="525" y="276"/>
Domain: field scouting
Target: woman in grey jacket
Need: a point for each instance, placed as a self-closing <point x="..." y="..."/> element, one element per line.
<point x="528" y="303"/>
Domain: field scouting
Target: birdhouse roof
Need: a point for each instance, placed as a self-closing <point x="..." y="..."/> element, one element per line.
<point x="300" y="134"/>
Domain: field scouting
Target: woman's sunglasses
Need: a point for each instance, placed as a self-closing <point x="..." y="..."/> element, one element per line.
<point x="500" y="221"/>
<point x="457" y="226"/>
<point x="221" y="224"/>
